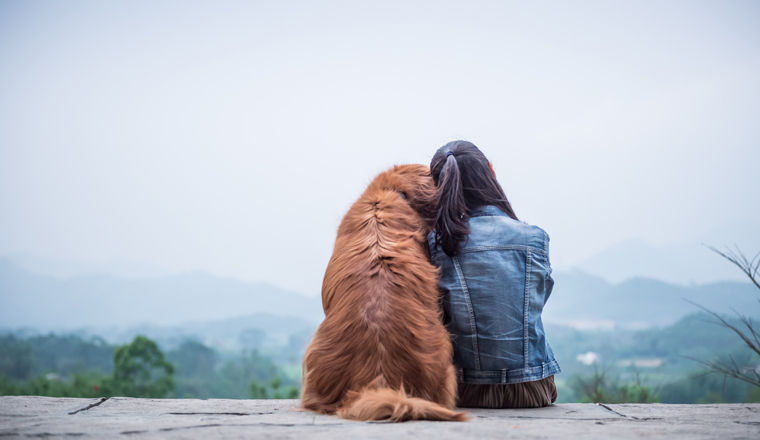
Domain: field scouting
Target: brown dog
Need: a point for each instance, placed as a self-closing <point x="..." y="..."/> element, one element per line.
<point x="382" y="351"/>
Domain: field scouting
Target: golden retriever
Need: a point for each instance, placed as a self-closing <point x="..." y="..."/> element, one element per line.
<point x="381" y="351"/>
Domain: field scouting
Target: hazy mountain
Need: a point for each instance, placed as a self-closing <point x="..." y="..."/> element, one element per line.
<point x="28" y="299"/>
<point x="188" y="303"/>
<point x="677" y="263"/>
<point x="584" y="301"/>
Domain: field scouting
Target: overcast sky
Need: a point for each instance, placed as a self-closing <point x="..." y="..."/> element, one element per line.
<point x="231" y="137"/>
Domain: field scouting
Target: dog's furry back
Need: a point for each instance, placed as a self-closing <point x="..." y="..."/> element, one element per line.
<point x="382" y="352"/>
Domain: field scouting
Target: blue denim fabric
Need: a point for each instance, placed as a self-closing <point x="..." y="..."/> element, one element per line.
<point x="494" y="293"/>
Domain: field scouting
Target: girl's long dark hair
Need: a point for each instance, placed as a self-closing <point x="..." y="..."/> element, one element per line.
<point x="464" y="182"/>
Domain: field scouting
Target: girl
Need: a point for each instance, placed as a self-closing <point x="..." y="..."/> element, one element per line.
<point x="495" y="279"/>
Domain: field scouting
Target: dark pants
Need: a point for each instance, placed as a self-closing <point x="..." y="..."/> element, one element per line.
<point x="518" y="395"/>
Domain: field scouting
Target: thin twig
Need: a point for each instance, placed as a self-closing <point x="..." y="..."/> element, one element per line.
<point x="749" y="267"/>
<point x="725" y="323"/>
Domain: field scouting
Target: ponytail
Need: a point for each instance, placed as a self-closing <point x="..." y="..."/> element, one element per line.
<point x="463" y="182"/>
<point x="451" y="220"/>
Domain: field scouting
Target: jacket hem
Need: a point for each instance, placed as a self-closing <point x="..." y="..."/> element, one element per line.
<point x="528" y="374"/>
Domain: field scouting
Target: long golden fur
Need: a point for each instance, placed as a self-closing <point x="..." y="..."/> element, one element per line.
<point x="382" y="351"/>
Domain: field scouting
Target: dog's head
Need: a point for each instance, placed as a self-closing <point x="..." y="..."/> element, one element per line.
<point x="414" y="184"/>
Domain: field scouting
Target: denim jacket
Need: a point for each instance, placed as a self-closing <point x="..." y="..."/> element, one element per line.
<point x="493" y="295"/>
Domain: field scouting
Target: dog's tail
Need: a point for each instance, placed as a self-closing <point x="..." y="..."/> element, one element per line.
<point x="394" y="405"/>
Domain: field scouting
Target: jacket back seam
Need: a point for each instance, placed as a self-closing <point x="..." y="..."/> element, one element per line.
<point x="470" y="312"/>
<point x="525" y="308"/>
<point x="506" y="247"/>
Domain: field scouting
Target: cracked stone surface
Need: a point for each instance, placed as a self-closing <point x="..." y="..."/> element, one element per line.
<point x="37" y="417"/>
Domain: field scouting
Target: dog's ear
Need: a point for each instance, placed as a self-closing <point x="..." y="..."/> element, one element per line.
<point x="415" y="184"/>
<point x="425" y="201"/>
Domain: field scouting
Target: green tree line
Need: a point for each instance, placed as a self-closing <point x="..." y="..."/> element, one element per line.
<point x="69" y="366"/>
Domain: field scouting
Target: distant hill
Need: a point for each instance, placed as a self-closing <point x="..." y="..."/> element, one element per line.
<point x="584" y="301"/>
<point x="213" y="307"/>
<point x="44" y="302"/>
<point x="676" y="263"/>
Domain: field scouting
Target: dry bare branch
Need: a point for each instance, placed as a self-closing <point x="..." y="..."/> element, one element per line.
<point x="749" y="267"/>
<point x="751" y="338"/>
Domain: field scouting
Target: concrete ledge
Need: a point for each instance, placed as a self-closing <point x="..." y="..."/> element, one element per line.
<point x="31" y="416"/>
